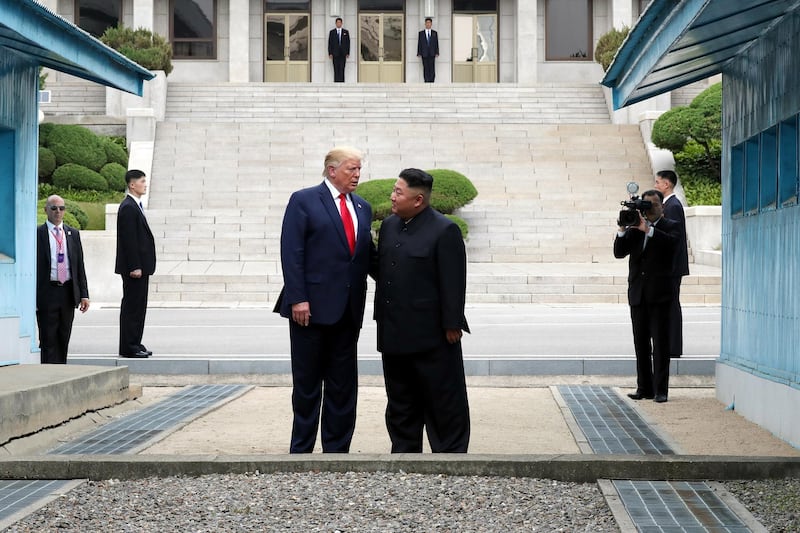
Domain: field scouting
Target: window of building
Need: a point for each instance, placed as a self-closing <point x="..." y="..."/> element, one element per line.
<point x="380" y="5"/>
<point x="568" y="31"/>
<point x="737" y="180"/>
<point x="751" y="168"/>
<point x="768" y="173"/>
<point x="475" y="6"/>
<point x="193" y="29"/>
<point x="787" y="163"/>
<point x="7" y="194"/>
<point x="284" y="6"/>
<point x="95" y="16"/>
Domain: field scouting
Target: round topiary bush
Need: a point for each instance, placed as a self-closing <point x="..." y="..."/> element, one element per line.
<point x="378" y="194"/>
<point x="148" y="49"/>
<point x="78" y="177"/>
<point x="114" y="173"/>
<point x="451" y="190"/>
<point x="47" y="164"/>
<point x="75" y="210"/>
<point x="114" y="152"/>
<point x="78" y="145"/>
<point x="608" y="45"/>
<point x="44" y="132"/>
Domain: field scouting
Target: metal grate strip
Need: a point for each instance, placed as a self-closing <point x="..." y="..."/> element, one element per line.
<point x="129" y="432"/>
<point x="16" y="496"/>
<point x="667" y="506"/>
<point x="609" y="424"/>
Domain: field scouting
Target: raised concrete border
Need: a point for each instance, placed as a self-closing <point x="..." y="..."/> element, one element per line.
<point x="39" y="396"/>
<point x="575" y="468"/>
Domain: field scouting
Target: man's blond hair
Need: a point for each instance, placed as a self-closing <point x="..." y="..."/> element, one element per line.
<point x="339" y="155"/>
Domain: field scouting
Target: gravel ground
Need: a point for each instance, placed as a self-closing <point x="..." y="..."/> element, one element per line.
<point x="773" y="502"/>
<point x="329" y="502"/>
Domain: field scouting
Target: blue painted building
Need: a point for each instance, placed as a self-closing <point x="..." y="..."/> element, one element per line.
<point x="753" y="43"/>
<point x="32" y="36"/>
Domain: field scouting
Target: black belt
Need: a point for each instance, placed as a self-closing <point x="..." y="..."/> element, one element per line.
<point x="59" y="284"/>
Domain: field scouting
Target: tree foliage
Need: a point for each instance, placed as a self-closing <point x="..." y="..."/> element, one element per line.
<point x="608" y="45"/>
<point x="148" y="49"/>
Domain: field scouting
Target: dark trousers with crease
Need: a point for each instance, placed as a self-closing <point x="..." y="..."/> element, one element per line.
<point x="651" y="341"/>
<point x="324" y="376"/>
<point x="132" y="312"/>
<point x="427" y="389"/>
<point x="55" y="323"/>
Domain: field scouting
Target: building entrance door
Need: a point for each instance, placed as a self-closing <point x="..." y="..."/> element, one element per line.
<point x="475" y="48"/>
<point x="286" y="40"/>
<point x="380" y="59"/>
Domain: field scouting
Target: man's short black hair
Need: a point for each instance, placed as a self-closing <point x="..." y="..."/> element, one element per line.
<point x="429" y="19"/>
<point x="132" y="175"/>
<point x="668" y="175"/>
<point x="654" y="192"/>
<point x="338" y="19"/>
<point x="417" y="179"/>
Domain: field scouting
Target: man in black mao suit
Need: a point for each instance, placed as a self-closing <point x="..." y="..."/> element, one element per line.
<point x="60" y="281"/>
<point x="338" y="49"/>
<point x="136" y="262"/>
<point x="419" y="309"/>
<point x="326" y="254"/>
<point x="650" y="246"/>
<point x="666" y="180"/>
<point x="428" y="50"/>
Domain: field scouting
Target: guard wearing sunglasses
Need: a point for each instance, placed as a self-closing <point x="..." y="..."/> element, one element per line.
<point x="60" y="281"/>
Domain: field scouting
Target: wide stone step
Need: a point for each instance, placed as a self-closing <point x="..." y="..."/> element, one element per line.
<point x="258" y="283"/>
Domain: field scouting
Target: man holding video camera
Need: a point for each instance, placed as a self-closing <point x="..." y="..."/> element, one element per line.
<point x="650" y="242"/>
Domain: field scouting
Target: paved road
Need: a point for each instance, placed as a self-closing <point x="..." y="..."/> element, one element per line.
<point x="497" y="330"/>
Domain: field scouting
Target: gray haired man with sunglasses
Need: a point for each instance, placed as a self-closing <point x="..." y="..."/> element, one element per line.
<point x="60" y="281"/>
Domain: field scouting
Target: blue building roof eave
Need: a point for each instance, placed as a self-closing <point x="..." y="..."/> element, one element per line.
<point x="29" y="28"/>
<point x="677" y="42"/>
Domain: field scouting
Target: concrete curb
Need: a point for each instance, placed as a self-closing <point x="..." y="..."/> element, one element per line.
<point x="574" y="468"/>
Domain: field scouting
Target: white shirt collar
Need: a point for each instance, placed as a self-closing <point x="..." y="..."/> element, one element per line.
<point x="334" y="191"/>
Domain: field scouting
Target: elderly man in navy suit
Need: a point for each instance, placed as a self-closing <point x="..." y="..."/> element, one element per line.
<point x="428" y="50"/>
<point x="326" y="255"/>
<point x="60" y="281"/>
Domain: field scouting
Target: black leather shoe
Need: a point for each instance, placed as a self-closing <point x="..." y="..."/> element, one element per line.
<point x="638" y="396"/>
<point x="141" y="354"/>
<point x="660" y="398"/>
<point x="145" y="350"/>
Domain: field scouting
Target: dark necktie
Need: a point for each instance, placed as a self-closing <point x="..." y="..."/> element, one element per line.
<point x="347" y="222"/>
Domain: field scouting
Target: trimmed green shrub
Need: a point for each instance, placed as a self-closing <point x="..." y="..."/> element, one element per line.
<point x="699" y="123"/>
<point x="608" y="45"/>
<point x="47" y="164"/>
<point x="148" y="49"/>
<point x="377" y="193"/>
<point x="76" y="144"/>
<point x="44" y="132"/>
<point x="76" y="211"/>
<point x="114" y="173"/>
<point x="78" y="177"/>
<point x="114" y="152"/>
<point x="451" y="190"/>
<point x="461" y="223"/>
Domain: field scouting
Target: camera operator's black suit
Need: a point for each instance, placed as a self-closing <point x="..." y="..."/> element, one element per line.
<point x="651" y="292"/>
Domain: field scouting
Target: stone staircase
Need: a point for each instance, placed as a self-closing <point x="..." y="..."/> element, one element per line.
<point x="549" y="167"/>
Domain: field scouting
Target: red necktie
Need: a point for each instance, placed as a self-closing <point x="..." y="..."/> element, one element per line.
<point x="347" y="222"/>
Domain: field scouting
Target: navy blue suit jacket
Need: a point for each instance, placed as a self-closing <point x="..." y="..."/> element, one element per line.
<point x="316" y="261"/>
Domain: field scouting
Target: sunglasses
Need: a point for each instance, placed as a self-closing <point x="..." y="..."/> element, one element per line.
<point x="57" y="207"/>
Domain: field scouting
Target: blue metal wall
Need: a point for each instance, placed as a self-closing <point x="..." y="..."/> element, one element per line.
<point x="18" y="118"/>
<point x="761" y="250"/>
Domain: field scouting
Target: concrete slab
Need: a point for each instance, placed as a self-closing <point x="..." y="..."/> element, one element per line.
<point x="33" y="397"/>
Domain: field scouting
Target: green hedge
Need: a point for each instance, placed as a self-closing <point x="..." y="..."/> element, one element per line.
<point x="608" y="45"/>
<point x="47" y="164"/>
<point x="75" y="144"/>
<point x="114" y="173"/>
<point x="78" y="177"/>
<point x="141" y="45"/>
<point x="114" y="152"/>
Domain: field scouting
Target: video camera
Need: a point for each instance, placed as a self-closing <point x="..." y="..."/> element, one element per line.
<point x="630" y="215"/>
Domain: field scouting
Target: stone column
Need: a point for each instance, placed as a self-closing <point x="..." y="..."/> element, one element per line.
<point x="143" y="14"/>
<point x="239" y="43"/>
<point x="527" y="42"/>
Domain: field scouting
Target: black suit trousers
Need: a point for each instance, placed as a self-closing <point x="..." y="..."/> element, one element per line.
<point x="324" y="373"/>
<point x="427" y="390"/>
<point x="338" y="68"/>
<point x="55" y="318"/>
<point x="132" y="313"/>
<point x="429" y="69"/>
<point x="651" y="341"/>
